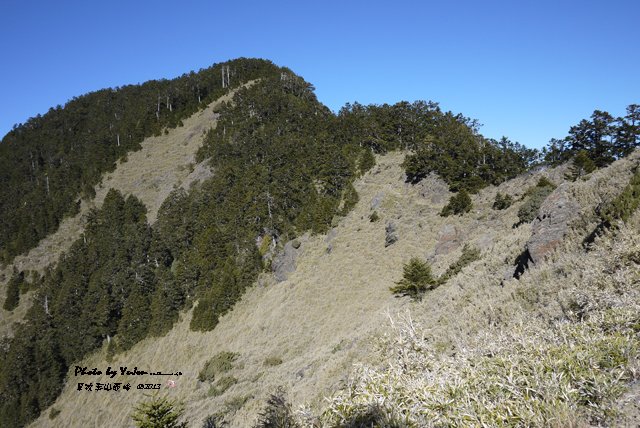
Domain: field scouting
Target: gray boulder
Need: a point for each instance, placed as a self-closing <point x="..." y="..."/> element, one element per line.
<point x="285" y="262"/>
<point x="377" y="200"/>
<point x="433" y="188"/>
<point x="391" y="236"/>
<point x="550" y="226"/>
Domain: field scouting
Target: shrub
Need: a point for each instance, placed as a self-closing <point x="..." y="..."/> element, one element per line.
<point x="54" y="413"/>
<point x="459" y="203"/>
<point x="214" y="421"/>
<point x="545" y="182"/>
<point x="374" y="217"/>
<point x="278" y="413"/>
<point x="222" y="385"/>
<point x="468" y="256"/>
<point x="220" y="363"/>
<point x="158" y="412"/>
<point x="416" y="280"/>
<point x="502" y="202"/>
<point x="272" y="361"/>
<point x="535" y="196"/>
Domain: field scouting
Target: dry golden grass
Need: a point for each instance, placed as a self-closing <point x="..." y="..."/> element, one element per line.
<point x="325" y="316"/>
<point x="162" y="164"/>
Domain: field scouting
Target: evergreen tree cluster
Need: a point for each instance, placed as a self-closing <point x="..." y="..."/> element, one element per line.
<point x="602" y="138"/>
<point x="48" y="161"/>
<point x="280" y="169"/>
<point x="101" y="288"/>
<point x="441" y="142"/>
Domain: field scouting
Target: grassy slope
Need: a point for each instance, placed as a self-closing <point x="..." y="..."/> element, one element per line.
<point x="326" y="315"/>
<point x="523" y="339"/>
<point x="150" y="173"/>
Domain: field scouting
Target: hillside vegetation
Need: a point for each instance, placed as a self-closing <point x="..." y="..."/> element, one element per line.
<point x="336" y="309"/>
<point x="49" y="162"/>
<point x="154" y="272"/>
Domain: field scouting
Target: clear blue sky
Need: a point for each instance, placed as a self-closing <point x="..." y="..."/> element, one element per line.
<point x="525" y="69"/>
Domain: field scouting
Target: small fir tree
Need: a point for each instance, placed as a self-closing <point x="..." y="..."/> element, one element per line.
<point x="459" y="203"/>
<point x="582" y="165"/>
<point x="502" y="202"/>
<point x="416" y="280"/>
<point x="158" y="412"/>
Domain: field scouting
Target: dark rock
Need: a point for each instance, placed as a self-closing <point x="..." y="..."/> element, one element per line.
<point x="550" y="226"/>
<point x="391" y="235"/>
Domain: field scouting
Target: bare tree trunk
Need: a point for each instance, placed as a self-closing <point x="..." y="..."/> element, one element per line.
<point x="118" y="135"/>
<point x="47" y="178"/>
<point x="223" y="77"/>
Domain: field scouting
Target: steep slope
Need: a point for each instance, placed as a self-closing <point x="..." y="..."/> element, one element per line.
<point x="162" y="164"/>
<point x="559" y="347"/>
<point x="304" y="333"/>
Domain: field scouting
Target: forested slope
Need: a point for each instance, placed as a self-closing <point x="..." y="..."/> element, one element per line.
<point x="50" y="161"/>
<point x="281" y="165"/>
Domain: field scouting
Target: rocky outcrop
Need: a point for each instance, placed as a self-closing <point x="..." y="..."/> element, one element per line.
<point x="391" y="236"/>
<point x="377" y="200"/>
<point x="449" y="239"/>
<point x="550" y="226"/>
<point x="285" y="262"/>
<point x="433" y="188"/>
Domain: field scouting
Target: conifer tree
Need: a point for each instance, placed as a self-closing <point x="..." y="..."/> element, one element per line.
<point x="13" y="291"/>
<point x="416" y="280"/>
<point x="459" y="204"/>
<point x="158" y="412"/>
<point x="581" y="166"/>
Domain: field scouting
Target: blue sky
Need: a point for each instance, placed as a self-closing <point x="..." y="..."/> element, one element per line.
<point x="525" y="69"/>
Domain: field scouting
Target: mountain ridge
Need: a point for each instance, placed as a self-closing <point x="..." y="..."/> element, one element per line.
<point x="349" y="199"/>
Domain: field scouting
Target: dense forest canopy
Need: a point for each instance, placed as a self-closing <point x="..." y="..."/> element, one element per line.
<point x="49" y="161"/>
